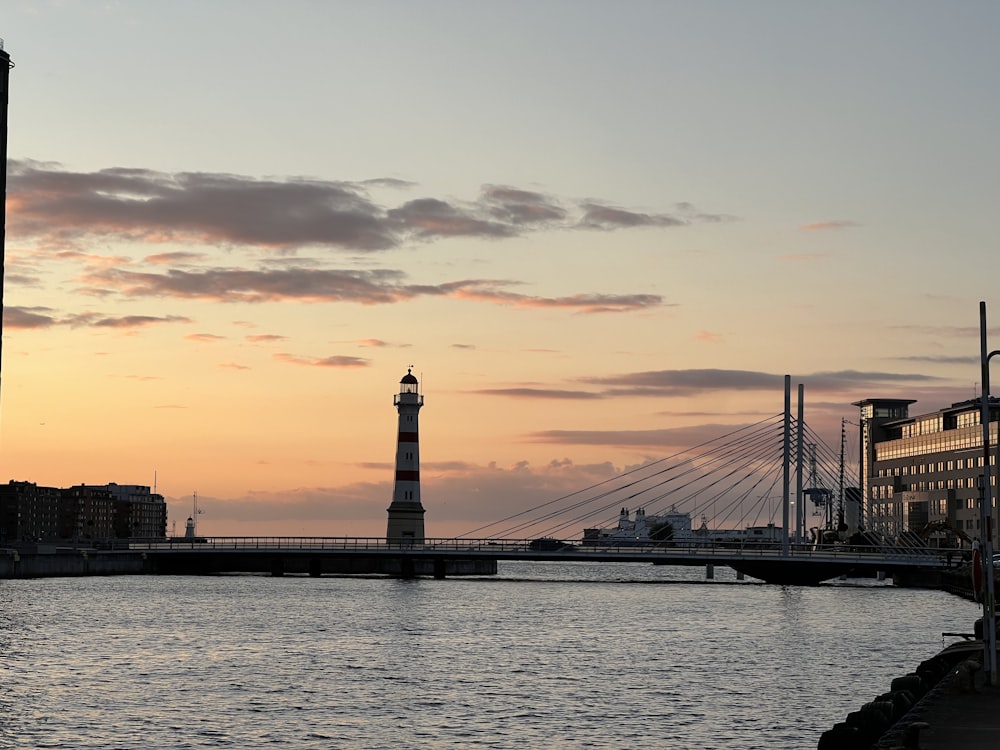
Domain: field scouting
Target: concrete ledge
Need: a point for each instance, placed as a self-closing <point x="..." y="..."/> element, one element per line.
<point x="62" y="562"/>
<point x="50" y="563"/>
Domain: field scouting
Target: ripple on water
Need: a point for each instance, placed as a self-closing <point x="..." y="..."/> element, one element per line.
<point x="243" y="661"/>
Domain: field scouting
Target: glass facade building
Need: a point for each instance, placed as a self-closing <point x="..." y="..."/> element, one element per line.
<point x="924" y="474"/>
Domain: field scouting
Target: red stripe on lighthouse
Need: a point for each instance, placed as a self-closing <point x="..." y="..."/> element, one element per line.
<point x="408" y="437"/>
<point x="403" y="475"/>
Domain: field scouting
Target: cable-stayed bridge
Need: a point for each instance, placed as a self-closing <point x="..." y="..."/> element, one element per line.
<point x="763" y="496"/>
<point x="731" y="482"/>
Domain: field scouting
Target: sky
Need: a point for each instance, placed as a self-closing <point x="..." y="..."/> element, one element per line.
<point x="599" y="233"/>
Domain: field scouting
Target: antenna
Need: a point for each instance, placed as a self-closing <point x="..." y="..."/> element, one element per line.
<point x="196" y="511"/>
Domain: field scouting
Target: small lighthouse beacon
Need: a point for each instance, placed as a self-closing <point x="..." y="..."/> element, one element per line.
<point x="406" y="514"/>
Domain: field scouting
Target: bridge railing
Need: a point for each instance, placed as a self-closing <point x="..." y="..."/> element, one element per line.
<point x="551" y="548"/>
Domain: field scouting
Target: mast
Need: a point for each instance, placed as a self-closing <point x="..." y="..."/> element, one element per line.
<point x="785" y="465"/>
<point x="5" y="66"/>
<point x="840" y="487"/>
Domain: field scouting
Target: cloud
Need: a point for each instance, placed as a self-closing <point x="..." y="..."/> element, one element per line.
<point x="366" y="287"/>
<point x="142" y="204"/>
<point x="266" y="338"/>
<point x="686" y="383"/>
<point x="205" y="338"/>
<point x="61" y="208"/>
<point x="521" y="207"/>
<point x="941" y="360"/>
<point x="97" y="320"/>
<point x="549" y="393"/>
<point x="708" y="337"/>
<point x="691" y="382"/>
<point x="267" y="285"/>
<point x="427" y="218"/>
<point x="44" y="317"/>
<point x="690" y="213"/>
<point x="599" y="216"/>
<point x="584" y="303"/>
<point x="176" y="257"/>
<point x="824" y="226"/>
<point x="28" y="317"/>
<point x="334" y="361"/>
<point x="460" y="499"/>
<point x="659" y="440"/>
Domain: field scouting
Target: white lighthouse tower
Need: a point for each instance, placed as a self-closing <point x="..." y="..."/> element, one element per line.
<point x="406" y="514"/>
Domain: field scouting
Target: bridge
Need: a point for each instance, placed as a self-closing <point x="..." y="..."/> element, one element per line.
<point x="740" y="481"/>
<point x="317" y="556"/>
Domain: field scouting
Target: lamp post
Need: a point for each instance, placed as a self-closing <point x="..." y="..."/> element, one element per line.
<point x="986" y="511"/>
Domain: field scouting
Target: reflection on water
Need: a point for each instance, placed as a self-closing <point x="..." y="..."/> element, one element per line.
<point x="543" y="655"/>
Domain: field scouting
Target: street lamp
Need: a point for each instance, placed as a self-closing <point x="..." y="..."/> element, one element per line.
<point x="986" y="510"/>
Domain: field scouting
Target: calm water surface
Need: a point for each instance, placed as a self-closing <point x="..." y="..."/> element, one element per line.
<point x="542" y="656"/>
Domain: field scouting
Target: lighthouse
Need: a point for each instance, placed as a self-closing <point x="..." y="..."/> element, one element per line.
<point x="406" y="514"/>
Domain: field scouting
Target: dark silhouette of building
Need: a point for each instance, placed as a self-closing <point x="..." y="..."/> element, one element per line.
<point x="82" y="513"/>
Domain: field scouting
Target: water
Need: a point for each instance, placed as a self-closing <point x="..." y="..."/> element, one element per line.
<point x="542" y="656"/>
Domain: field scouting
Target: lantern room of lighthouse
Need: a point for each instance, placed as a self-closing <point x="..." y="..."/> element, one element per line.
<point x="406" y="514"/>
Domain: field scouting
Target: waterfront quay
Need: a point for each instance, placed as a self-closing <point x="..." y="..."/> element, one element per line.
<point x="441" y="558"/>
<point x="946" y="702"/>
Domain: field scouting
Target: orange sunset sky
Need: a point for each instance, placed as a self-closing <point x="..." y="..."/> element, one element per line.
<point x="600" y="232"/>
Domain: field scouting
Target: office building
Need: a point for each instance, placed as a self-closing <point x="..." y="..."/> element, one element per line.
<point x="924" y="474"/>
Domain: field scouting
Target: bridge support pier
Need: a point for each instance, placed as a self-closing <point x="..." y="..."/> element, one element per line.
<point x="439" y="568"/>
<point x="277" y="567"/>
<point x="709" y="572"/>
<point x="315" y="567"/>
<point x="739" y="575"/>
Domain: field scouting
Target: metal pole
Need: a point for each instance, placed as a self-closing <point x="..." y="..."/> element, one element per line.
<point x="986" y="513"/>
<point x="799" y="506"/>
<point x="5" y="66"/>
<point x="786" y="462"/>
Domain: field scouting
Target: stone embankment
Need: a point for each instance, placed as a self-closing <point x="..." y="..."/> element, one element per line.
<point x="894" y="718"/>
<point x="943" y="703"/>
<point x="958" y="581"/>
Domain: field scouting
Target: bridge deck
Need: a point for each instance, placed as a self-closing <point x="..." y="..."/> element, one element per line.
<point x="800" y="565"/>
